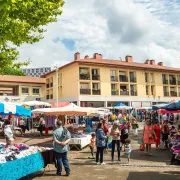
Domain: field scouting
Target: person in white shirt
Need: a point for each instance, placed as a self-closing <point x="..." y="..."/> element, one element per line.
<point x="22" y="125"/>
<point x="164" y="118"/>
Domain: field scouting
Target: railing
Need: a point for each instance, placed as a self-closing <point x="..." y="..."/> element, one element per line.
<point x="95" y="77"/>
<point x="173" y="93"/>
<point x="133" y="93"/>
<point x="84" y="76"/>
<point x="96" y="92"/>
<point x="124" y="93"/>
<point x="114" y="78"/>
<point x="172" y="82"/>
<point x="166" y="94"/>
<point x="85" y="91"/>
<point x="165" y="81"/>
<point x="114" y="92"/>
<point x="133" y="79"/>
<point x="123" y="78"/>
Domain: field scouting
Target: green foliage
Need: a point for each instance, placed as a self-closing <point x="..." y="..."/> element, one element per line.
<point x="24" y="21"/>
<point x="12" y="71"/>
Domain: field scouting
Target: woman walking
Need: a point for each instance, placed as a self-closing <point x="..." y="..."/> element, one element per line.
<point x="165" y="133"/>
<point x="135" y="127"/>
<point x="148" y="136"/>
<point x="115" y="133"/>
<point x="100" y="143"/>
<point x="157" y="130"/>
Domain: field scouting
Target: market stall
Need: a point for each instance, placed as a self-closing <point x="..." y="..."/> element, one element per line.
<point x="80" y="139"/>
<point x="20" y="160"/>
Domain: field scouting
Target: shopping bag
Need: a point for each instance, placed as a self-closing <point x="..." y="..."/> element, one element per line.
<point x="109" y="139"/>
<point x="142" y="147"/>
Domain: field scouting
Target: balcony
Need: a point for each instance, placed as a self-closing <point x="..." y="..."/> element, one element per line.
<point x="123" y="78"/>
<point x="95" y="77"/>
<point x="166" y="94"/>
<point x="172" y="82"/>
<point x="133" y="93"/>
<point x="51" y="85"/>
<point x="85" y="91"/>
<point x="96" y="92"/>
<point x="114" y="78"/>
<point x="133" y="79"/>
<point x="124" y="93"/>
<point x="47" y="85"/>
<point x="173" y="94"/>
<point x="114" y="92"/>
<point x="165" y="81"/>
<point x="84" y="76"/>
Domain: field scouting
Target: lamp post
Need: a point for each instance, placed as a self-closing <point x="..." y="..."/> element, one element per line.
<point x="57" y="84"/>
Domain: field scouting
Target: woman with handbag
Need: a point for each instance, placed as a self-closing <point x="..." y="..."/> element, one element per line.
<point x="148" y="136"/>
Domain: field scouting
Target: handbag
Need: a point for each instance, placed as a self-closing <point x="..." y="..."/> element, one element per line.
<point x="142" y="147"/>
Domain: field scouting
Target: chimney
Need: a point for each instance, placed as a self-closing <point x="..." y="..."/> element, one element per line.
<point x="152" y="62"/>
<point x="86" y="57"/>
<point x="160" y="63"/>
<point x="97" y="56"/>
<point x="77" y="56"/>
<point x="147" y="61"/>
<point x="129" y="59"/>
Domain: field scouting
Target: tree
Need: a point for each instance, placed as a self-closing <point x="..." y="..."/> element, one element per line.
<point x="23" y="21"/>
<point x="13" y="71"/>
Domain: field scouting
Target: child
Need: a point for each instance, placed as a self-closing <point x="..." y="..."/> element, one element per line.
<point x="128" y="149"/>
<point x="92" y="144"/>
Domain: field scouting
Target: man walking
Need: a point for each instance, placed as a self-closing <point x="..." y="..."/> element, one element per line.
<point x="61" y="138"/>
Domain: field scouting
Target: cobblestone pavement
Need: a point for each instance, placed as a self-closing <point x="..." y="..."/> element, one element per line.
<point x="142" y="167"/>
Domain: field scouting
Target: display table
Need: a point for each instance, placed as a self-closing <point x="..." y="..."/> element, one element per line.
<point x="16" y="169"/>
<point x="80" y="143"/>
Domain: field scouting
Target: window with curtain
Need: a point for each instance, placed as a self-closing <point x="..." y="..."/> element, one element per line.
<point x="113" y="73"/>
<point x="122" y="73"/>
<point x="151" y="77"/>
<point x="84" y="71"/>
<point x="95" y="71"/>
<point x="95" y="86"/>
<point x="113" y="86"/>
<point x="84" y="86"/>
<point x="147" y="90"/>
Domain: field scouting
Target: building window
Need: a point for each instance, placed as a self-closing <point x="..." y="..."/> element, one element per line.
<point x="146" y="77"/>
<point x="147" y="90"/>
<point x="36" y="91"/>
<point x="151" y="78"/>
<point x="95" y="86"/>
<point x="152" y="90"/>
<point x="25" y="90"/>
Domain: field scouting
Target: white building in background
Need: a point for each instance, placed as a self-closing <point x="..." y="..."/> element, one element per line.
<point x="36" y="72"/>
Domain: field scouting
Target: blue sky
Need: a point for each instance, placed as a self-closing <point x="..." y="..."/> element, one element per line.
<point x="145" y="29"/>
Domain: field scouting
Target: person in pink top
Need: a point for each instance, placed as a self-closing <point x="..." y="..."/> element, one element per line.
<point x="105" y="129"/>
<point x="148" y="136"/>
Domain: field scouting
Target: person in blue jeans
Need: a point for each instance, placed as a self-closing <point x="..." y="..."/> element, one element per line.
<point x="100" y="143"/>
<point x="61" y="139"/>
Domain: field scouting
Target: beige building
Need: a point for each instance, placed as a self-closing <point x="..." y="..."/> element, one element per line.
<point x="21" y="88"/>
<point x="103" y="82"/>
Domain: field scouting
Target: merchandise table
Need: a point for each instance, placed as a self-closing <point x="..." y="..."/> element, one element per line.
<point x="16" y="169"/>
<point x="80" y="143"/>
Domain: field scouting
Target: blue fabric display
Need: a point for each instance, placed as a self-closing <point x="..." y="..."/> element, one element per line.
<point x="13" y="170"/>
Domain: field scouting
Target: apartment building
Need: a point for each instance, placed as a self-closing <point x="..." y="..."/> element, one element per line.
<point x="102" y="82"/>
<point x="21" y="88"/>
<point x="36" y="72"/>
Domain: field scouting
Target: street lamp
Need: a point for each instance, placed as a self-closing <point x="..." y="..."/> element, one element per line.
<point x="57" y="84"/>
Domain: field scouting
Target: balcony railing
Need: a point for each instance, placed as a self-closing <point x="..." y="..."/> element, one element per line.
<point x="85" y="91"/>
<point x="114" y="92"/>
<point x="96" y="92"/>
<point x="173" y="93"/>
<point x="133" y="93"/>
<point x="84" y="76"/>
<point x="114" y="78"/>
<point x="47" y="85"/>
<point x="133" y="79"/>
<point x="166" y="94"/>
<point x="123" y="79"/>
<point x="95" y="77"/>
<point x="172" y="82"/>
<point x="51" y="85"/>
<point x="165" y="81"/>
<point x="124" y="93"/>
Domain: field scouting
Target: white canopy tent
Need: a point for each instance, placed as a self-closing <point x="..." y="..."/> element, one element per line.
<point x="70" y="109"/>
<point x="36" y="103"/>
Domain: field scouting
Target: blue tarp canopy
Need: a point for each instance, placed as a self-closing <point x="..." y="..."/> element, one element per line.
<point x="159" y="106"/>
<point x="13" y="109"/>
<point x="173" y="106"/>
<point x="119" y="105"/>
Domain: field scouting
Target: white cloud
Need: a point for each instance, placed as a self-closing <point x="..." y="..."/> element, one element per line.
<point x="141" y="28"/>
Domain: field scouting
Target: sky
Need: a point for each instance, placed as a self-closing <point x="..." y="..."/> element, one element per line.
<point x="144" y="29"/>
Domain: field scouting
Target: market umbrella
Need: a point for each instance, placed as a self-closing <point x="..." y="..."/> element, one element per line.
<point x="122" y="106"/>
<point x="159" y="106"/>
<point x="71" y="109"/>
<point x="7" y="108"/>
<point x="173" y="106"/>
<point x="36" y="103"/>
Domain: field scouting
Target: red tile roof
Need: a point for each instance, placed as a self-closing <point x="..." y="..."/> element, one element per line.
<point x="22" y="79"/>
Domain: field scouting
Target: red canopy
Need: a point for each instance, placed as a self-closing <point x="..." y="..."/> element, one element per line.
<point x="163" y="111"/>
